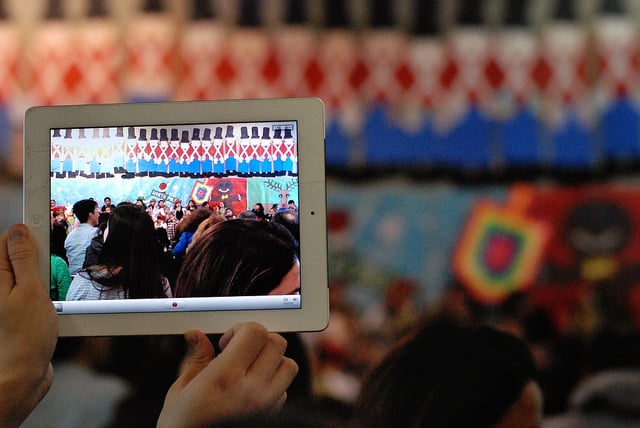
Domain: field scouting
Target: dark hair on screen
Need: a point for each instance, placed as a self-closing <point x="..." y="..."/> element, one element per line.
<point x="191" y="223"/>
<point x="83" y="208"/>
<point x="247" y="215"/>
<point x="131" y="253"/>
<point x="446" y="375"/>
<point x="288" y="220"/>
<point x="237" y="258"/>
<point x="56" y="240"/>
<point x="103" y="221"/>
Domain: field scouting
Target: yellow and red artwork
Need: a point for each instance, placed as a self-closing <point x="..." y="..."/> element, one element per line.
<point x="501" y="249"/>
<point x="232" y="191"/>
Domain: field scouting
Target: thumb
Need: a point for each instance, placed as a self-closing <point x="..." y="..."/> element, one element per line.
<point x="23" y="255"/>
<point x="198" y="356"/>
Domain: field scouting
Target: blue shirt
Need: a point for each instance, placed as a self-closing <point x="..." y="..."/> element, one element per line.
<point x="183" y="242"/>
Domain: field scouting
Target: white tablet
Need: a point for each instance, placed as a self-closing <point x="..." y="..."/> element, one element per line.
<point x="235" y="153"/>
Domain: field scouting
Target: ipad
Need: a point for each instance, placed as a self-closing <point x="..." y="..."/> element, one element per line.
<point x="231" y="154"/>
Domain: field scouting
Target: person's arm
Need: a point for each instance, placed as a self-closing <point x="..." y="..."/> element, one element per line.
<point x="251" y="375"/>
<point x="62" y="276"/>
<point x="28" y="328"/>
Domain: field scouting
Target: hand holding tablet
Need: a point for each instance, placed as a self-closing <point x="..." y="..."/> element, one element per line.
<point x="253" y="358"/>
<point x="255" y="370"/>
<point x="235" y="154"/>
<point x="28" y="328"/>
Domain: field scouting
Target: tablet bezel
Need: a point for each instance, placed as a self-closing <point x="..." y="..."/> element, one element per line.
<point x="309" y="115"/>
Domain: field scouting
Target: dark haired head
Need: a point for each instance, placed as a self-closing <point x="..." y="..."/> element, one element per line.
<point x="258" y="210"/>
<point x="103" y="221"/>
<point x="288" y="220"/>
<point x="191" y="223"/>
<point x="132" y="254"/>
<point x="83" y="208"/>
<point x="447" y="375"/>
<point x="237" y="258"/>
<point x="247" y="215"/>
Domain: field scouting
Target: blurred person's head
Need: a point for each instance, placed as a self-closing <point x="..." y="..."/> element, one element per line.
<point x="448" y="375"/>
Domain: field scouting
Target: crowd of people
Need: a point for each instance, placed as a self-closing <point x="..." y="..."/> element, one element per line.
<point x="138" y="249"/>
<point x="434" y="367"/>
<point x="248" y="382"/>
<point x="399" y="364"/>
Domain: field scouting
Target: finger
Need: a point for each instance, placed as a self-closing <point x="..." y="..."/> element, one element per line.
<point x="228" y="335"/>
<point x="268" y="360"/>
<point x="46" y="383"/>
<point x="241" y="345"/>
<point x="6" y="273"/>
<point x="23" y="254"/>
<point x="277" y="406"/>
<point x="274" y="392"/>
<point x="38" y="392"/>
<point x="198" y="356"/>
<point x="282" y="378"/>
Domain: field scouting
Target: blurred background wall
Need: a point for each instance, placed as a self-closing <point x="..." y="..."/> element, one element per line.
<point x="482" y="155"/>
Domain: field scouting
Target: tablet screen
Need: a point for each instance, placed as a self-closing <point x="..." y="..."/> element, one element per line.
<point x="233" y="171"/>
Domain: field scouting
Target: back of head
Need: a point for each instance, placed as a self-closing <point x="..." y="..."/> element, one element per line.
<point x="247" y="215"/>
<point x="103" y="221"/>
<point x="613" y="349"/>
<point x="237" y="258"/>
<point x="191" y="223"/>
<point x="206" y="224"/>
<point x="83" y="208"/>
<point x="288" y="220"/>
<point x="447" y="375"/>
<point x="132" y="244"/>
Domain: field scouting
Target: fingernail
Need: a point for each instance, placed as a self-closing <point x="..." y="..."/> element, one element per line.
<point x="192" y="338"/>
<point x="17" y="233"/>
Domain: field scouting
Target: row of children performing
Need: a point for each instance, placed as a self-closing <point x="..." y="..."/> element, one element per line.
<point x="122" y="257"/>
<point x="106" y="152"/>
<point x="169" y="217"/>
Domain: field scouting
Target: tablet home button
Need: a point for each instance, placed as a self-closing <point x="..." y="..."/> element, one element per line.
<point x="174" y="304"/>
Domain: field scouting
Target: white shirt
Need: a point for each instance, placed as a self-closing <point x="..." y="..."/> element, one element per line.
<point x="83" y="288"/>
<point x="76" y="245"/>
